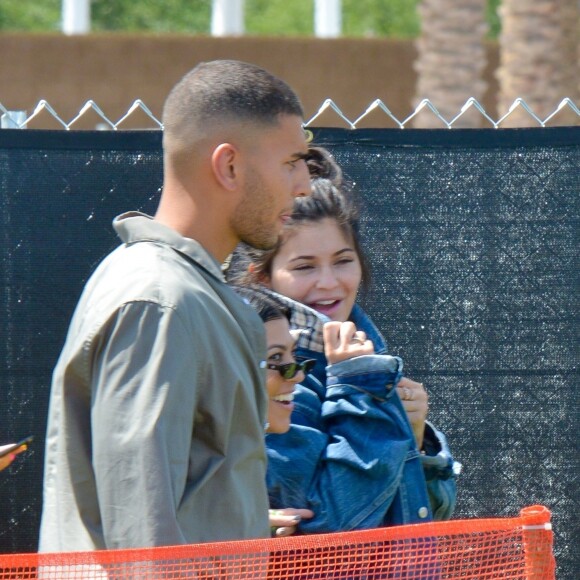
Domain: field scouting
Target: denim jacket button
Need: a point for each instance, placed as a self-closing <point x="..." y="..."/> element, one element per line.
<point x="423" y="512"/>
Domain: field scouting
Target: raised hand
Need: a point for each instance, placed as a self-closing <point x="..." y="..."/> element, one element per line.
<point x="343" y="341"/>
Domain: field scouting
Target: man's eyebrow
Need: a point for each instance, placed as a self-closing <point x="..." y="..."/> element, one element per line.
<point x="299" y="156"/>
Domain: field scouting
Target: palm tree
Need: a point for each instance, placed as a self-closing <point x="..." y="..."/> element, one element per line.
<point x="539" y="50"/>
<point x="451" y="57"/>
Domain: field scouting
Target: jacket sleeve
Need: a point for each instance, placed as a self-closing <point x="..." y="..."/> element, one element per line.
<point x="440" y="472"/>
<point x="336" y="450"/>
<point x="145" y="391"/>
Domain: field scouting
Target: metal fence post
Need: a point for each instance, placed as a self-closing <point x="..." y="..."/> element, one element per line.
<point x="227" y="18"/>
<point x="327" y="18"/>
<point x="76" y="16"/>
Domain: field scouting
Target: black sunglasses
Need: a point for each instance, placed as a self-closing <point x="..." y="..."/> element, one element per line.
<point x="290" y="370"/>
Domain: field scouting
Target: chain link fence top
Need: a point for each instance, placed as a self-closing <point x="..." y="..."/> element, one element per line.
<point x="22" y="120"/>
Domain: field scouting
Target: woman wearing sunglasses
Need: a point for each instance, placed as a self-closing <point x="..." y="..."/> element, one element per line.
<point x="359" y="452"/>
<point x="340" y="425"/>
<point x="283" y="373"/>
<point x="283" y="376"/>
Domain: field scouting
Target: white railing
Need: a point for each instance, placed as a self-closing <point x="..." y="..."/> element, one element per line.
<point x="20" y="120"/>
<point x="227" y="17"/>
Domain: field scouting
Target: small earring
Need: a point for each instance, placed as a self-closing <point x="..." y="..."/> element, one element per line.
<point x="266" y="426"/>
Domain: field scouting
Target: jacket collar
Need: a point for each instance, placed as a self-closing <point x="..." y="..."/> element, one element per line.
<point x="134" y="226"/>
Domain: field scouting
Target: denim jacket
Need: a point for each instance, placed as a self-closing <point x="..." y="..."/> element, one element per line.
<point x="350" y="454"/>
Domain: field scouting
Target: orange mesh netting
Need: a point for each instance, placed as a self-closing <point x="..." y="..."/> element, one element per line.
<point x="511" y="548"/>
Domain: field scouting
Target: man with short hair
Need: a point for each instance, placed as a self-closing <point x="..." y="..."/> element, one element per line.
<point x="155" y="432"/>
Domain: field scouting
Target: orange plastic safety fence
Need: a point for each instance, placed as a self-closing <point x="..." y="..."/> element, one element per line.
<point x="510" y="548"/>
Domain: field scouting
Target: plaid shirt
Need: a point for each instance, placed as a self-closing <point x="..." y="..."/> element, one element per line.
<point x="305" y="323"/>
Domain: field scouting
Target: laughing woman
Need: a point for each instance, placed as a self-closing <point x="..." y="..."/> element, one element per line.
<point x="359" y="452"/>
<point x="282" y="375"/>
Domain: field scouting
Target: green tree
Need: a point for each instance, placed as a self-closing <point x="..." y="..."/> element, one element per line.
<point x="155" y="16"/>
<point x="380" y="18"/>
<point x="279" y="17"/>
<point x="30" y="15"/>
<point x="493" y="19"/>
<point x="367" y="18"/>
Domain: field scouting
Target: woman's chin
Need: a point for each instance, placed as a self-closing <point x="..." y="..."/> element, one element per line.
<point x="278" y="426"/>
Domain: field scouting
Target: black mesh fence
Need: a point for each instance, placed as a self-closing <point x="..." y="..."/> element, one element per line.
<point x="473" y="238"/>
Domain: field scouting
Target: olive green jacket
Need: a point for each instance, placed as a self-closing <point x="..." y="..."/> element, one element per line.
<point x="155" y="430"/>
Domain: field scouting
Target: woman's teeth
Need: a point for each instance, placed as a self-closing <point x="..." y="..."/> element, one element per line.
<point x="286" y="398"/>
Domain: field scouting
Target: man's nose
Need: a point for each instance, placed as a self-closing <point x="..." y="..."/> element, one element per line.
<point x="302" y="185"/>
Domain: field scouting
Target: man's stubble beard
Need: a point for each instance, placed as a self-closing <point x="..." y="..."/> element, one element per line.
<point x="251" y="213"/>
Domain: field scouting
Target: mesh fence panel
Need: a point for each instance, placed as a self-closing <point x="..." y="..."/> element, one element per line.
<point x="514" y="548"/>
<point x="473" y="238"/>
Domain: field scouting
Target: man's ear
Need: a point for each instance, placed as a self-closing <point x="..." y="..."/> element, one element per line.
<point x="225" y="165"/>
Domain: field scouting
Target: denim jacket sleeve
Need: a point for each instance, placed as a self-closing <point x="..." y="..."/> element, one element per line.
<point x="440" y="472"/>
<point x="335" y="460"/>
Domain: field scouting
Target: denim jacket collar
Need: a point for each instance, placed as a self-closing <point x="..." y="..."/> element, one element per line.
<point x="364" y="323"/>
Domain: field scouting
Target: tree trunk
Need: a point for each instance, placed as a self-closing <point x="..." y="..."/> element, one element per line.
<point x="538" y="56"/>
<point x="451" y="59"/>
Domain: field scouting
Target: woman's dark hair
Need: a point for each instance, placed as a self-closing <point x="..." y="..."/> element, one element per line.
<point x="330" y="198"/>
<point x="321" y="165"/>
<point x="267" y="307"/>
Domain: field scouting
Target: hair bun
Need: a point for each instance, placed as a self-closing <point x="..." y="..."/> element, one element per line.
<point x="322" y="165"/>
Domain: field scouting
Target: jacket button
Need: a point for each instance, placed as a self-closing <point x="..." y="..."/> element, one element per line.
<point x="423" y="512"/>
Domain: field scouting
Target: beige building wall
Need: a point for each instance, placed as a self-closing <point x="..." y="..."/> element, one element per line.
<point x="116" y="69"/>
